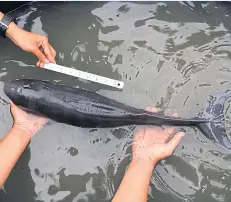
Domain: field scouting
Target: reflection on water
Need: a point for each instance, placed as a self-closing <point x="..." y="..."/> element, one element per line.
<point x="171" y="55"/>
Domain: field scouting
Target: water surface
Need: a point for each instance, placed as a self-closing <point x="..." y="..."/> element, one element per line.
<point x="172" y="55"/>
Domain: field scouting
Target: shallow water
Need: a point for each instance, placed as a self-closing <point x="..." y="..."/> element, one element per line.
<point x="172" y="55"/>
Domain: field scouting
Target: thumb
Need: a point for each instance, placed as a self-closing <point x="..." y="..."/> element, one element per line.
<point x="173" y="143"/>
<point x="11" y="104"/>
<point x="12" y="108"/>
<point x="40" y="55"/>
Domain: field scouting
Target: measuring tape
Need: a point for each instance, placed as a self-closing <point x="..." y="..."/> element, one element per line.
<point x="84" y="75"/>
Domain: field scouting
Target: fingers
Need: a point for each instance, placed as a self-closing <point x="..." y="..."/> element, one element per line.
<point x="140" y="134"/>
<point x="39" y="63"/>
<point x="48" y="51"/>
<point x="13" y="109"/>
<point x="42" y="121"/>
<point x="171" y="129"/>
<point x="40" y="55"/>
<point x="152" y="109"/>
<point x="173" y="143"/>
<point x="175" y="115"/>
<point x="12" y="105"/>
<point x="53" y="53"/>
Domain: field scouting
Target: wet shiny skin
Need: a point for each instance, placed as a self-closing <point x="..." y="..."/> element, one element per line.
<point x="170" y="55"/>
<point x="84" y="108"/>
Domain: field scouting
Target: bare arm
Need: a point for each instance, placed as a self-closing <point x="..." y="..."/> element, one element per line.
<point x="11" y="148"/>
<point x="16" y="140"/>
<point x="134" y="186"/>
<point x="31" y="42"/>
<point x="1" y="15"/>
<point x="149" y="146"/>
<point x="12" y="30"/>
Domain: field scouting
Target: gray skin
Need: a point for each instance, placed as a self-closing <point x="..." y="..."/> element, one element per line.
<point x="84" y="108"/>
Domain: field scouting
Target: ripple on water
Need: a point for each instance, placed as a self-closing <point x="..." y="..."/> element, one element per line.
<point x="170" y="54"/>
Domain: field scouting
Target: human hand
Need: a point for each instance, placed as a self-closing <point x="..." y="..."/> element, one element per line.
<point x="32" y="42"/>
<point x="151" y="144"/>
<point x="25" y="121"/>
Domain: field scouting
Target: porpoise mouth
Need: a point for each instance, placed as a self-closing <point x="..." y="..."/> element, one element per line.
<point x="7" y="88"/>
<point x="12" y="89"/>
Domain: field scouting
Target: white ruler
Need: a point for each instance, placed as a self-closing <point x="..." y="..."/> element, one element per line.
<point x="84" y="75"/>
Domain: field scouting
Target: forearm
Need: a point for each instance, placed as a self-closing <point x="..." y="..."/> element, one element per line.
<point x="11" y="148"/>
<point x="134" y="186"/>
<point x="1" y="15"/>
<point x="12" y="30"/>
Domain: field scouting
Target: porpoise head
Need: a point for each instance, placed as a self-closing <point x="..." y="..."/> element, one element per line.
<point x="19" y="91"/>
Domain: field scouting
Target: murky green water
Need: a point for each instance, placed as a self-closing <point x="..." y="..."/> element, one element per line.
<point x="171" y="55"/>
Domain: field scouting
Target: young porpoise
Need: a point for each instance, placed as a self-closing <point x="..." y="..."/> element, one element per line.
<point x="85" y="108"/>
